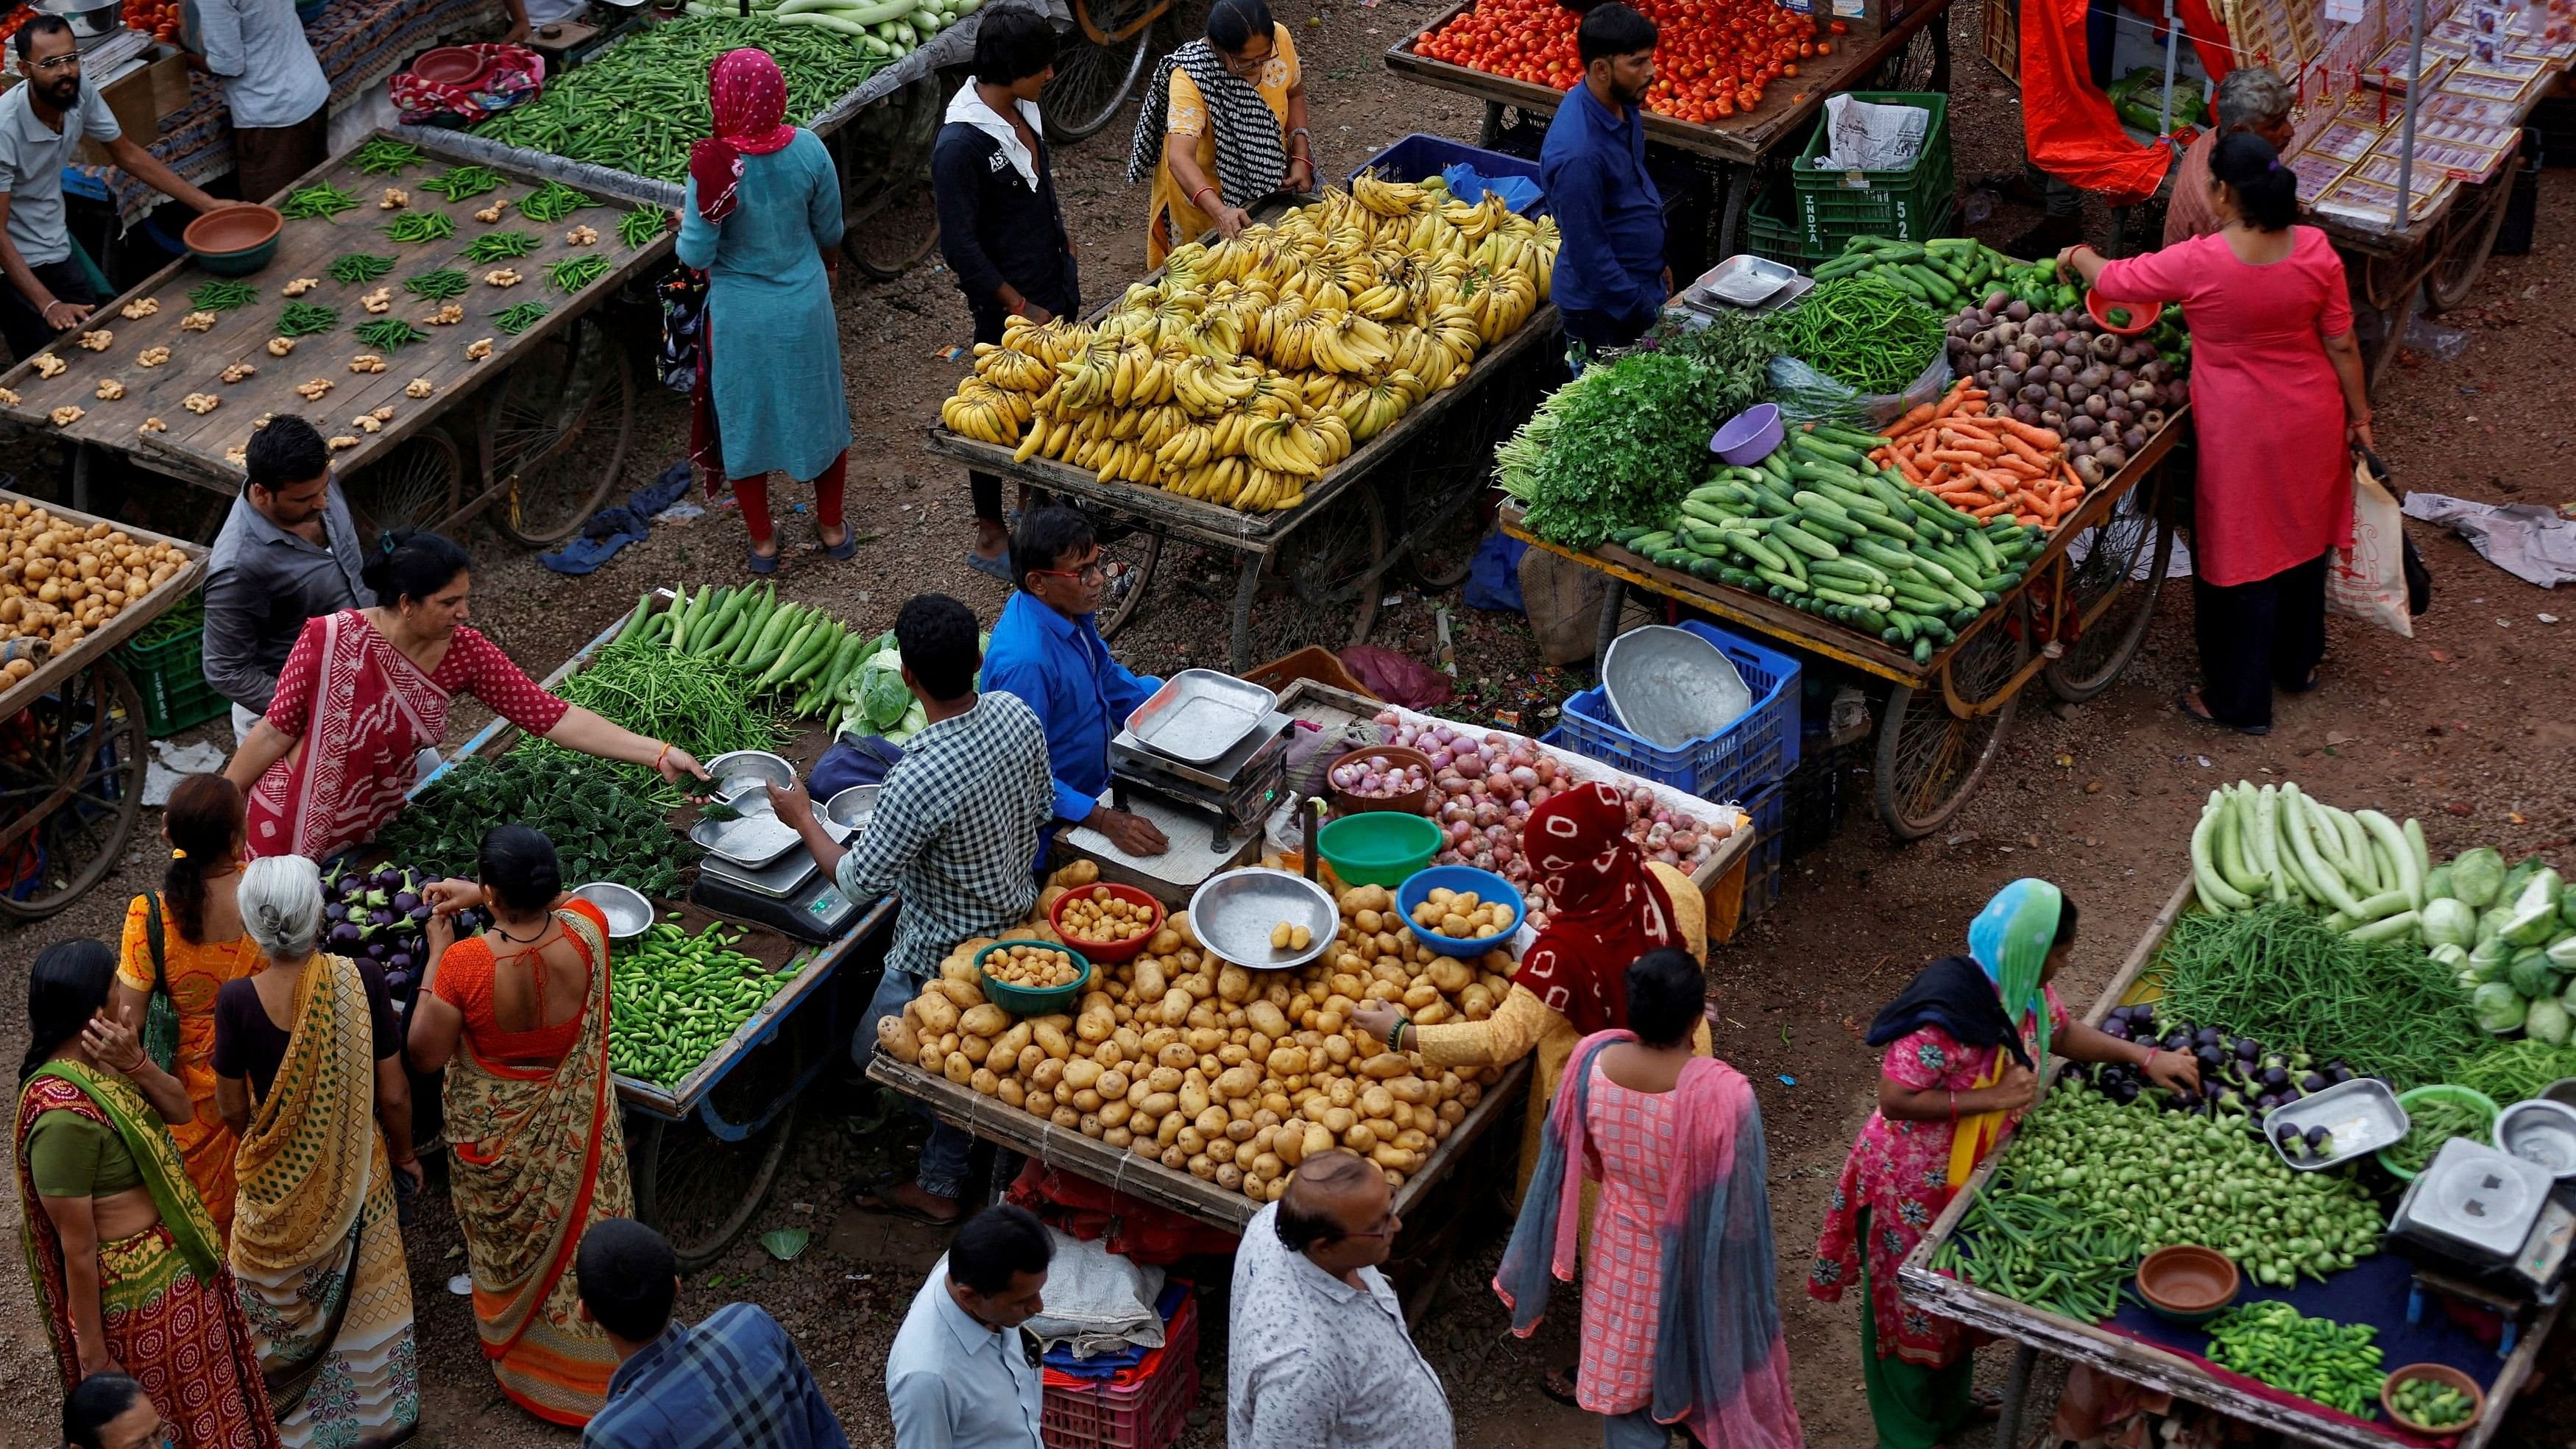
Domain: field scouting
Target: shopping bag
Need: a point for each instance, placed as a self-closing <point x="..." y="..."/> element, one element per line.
<point x="2371" y="584"/>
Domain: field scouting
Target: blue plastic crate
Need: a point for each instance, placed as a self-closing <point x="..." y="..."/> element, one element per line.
<point x="1762" y="865"/>
<point x="1418" y="156"/>
<point x="1759" y="749"/>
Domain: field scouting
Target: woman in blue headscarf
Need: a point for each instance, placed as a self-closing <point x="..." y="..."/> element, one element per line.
<point x="1964" y="1042"/>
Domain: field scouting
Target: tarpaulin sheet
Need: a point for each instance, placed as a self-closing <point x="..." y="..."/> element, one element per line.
<point x="2068" y="127"/>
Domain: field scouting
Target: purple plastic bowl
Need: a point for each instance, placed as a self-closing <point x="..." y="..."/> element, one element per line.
<point x="1750" y="436"/>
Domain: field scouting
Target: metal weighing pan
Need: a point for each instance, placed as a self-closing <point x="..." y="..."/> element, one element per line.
<point x="629" y="914"/>
<point x="1200" y="714"/>
<point x="1669" y="686"/>
<point x="757" y="839"/>
<point x="1233" y="912"/>
<point x="740" y="772"/>
<point x="2361" y="1115"/>
<point x="1743" y="280"/>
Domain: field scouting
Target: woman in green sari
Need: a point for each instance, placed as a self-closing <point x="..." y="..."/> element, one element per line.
<point x="129" y="1270"/>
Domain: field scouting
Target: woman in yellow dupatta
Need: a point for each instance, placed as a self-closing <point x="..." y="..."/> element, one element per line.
<point x="537" y="1152"/>
<point x="315" y="1245"/>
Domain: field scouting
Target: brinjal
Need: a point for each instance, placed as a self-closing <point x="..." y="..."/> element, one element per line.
<point x="2208" y="1036"/>
<point x="2118" y="1029"/>
<point x="377" y="951"/>
<point x="2318" y="1140"/>
<point x="2312" y="1083"/>
<point x="2291" y="1142"/>
<point x="406" y="902"/>
<point x="2276" y="1077"/>
<point x="344" y="934"/>
<point x="334" y="912"/>
<point x="399" y="960"/>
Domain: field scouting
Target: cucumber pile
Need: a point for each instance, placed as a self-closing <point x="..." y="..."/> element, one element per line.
<point x="804" y="654"/>
<point x="1819" y="527"/>
<point x="1944" y="274"/>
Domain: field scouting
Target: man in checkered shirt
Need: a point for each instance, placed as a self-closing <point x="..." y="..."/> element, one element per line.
<point x="954" y="835"/>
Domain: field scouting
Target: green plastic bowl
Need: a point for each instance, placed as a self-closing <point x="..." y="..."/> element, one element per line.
<point x="1032" y="1001"/>
<point x="2472" y="1097"/>
<point x="1378" y="847"/>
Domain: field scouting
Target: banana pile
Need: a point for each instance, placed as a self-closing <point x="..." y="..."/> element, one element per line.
<point x="1255" y="364"/>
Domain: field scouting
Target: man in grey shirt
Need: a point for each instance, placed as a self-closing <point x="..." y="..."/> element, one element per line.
<point x="288" y="552"/>
<point x="960" y="1375"/>
<point x="42" y="123"/>
<point x="273" y="86"/>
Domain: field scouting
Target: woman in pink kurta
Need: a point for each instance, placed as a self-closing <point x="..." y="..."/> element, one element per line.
<point x="2276" y="390"/>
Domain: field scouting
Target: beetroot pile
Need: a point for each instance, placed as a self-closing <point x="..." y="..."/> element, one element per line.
<point x="2103" y="393"/>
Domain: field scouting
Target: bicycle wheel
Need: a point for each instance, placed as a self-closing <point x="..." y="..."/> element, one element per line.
<point x="2116" y="602"/>
<point x="1098" y="61"/>
<point x="1930" y="760"/>
<point x="558" y="424"/>
<point x="417" y="485"/>
<point x="71" y="786"/>
<point x="889" y="220"/>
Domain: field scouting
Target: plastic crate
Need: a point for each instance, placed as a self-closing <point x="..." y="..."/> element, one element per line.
<point x="1812" y="798"/>
<point x="1418" y="156"/>
<point x="171" y="678"/>
<point x="1755" y="751"/>
<point x="1771" y="229"/>
<point x="1762" y="866"/>
<point x="1145" y="1407"/>
<point x="1908" y="205"/>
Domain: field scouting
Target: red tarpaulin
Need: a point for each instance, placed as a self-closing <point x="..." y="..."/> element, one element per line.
<point x="2068" y="127"/>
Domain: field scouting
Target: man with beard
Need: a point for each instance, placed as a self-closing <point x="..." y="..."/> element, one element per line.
<point x="42" y="124"/>
<point x="1611" y="279"/>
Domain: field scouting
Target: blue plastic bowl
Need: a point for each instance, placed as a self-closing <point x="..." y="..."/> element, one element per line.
<point x="1750" y="436"/>
<point x="1488" y="886"/>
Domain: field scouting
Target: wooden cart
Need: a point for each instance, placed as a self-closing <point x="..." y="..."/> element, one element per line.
<point x="1912" y="54"/>
<point x="1944" y="720"/>
<point x="553" y="407"/>
<point x="73" y="750"/>
<point x="2183" y="1377"/>
<point x="2430" y="267"/>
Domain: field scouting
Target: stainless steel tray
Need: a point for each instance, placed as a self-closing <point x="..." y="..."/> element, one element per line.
<point x="756" y="840"/>
<point x="1200" y="714"/>
<point x="1742" y="280"/>
<point x="1233" y="914"/>
<point x="2361" y="1116"/>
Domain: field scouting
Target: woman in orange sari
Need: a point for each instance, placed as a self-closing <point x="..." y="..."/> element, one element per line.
<point x="185" y="942"/>
<point x="537" y="1147"/>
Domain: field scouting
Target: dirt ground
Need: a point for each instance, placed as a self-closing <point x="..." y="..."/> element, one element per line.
<point x="2468" y="726"/>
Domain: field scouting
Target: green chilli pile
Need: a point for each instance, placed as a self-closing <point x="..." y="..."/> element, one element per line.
<point x="500" y="246"/>
<point x="319" y="200"/>
<point x="518" y="318"/>
<point x="439" y="286"/>
<point x="639" y="227"/>
<point x="675" y="997"/>
<point x="359" y="268"/>
<point x="552" y="202"/>
<point x="458" y="183"/>
<point x="304" y="319"/>
<point x="2334" y="1364"/>
<point x="1865" y="333"/>
<point x="222" y="296"/>
<point x="574" y="273"/>
<point x="2434" y="1119"/>
<point x="385" y="157"/>
<point x="421" y="226"/>
<point x="389" y="333"/>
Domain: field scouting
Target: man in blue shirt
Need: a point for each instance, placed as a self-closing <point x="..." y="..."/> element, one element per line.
<point x="1047" y="650"/>
<point x="1611" y="279"/>
<point x="961" y="1375"/>
<point x="734" y="1380"/>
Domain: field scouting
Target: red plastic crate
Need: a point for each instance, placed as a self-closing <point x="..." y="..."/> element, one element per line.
<point x="1142" y="1408"/>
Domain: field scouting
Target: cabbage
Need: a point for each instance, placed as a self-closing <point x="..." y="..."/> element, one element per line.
<point x="2437" y="885"/>
<point x="2567" y="904"/>
<point x="2477" y="877"/>
<point x="2546" y="1021"/>
<point x="2562" y="952"/>
<point x="2520" y="875"/>
<point x="882" y="696"/>
<point x="2534" y="917"/>
<point x="2499" y="1008"/>
<point x="2489" y="958"/>
<point x="2447" y="922"/>
<point x="2531" y="974"/>
<point x="2455" y="957"/>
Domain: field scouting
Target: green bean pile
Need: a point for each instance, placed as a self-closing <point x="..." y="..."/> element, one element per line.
<point x="2334" y="1364"/>
<point x="439" y="286"/>
<point x="383" y="157"/>
<point x="552" y="202"/>
<point x="2279" y="974"/>
<point x="2029" y="1249"/>
<point x="637" y="105"/>
<point x="500" y="246"/>
<point x="1865" y="333"/>
<point x="458" y="183"/>
<point x="518" y="319"/>
<point x="639" y="227"/>
<point x="359" y="268"/>
<point x="2514" y="1071"/>
<point x="674" y="998"/>
<point x="388" y="333"/>
<point x="574" y="273"/>
<point x="303" y="319"/>
<point x="2432" y="1121"/>
<point x="421" y="226"/>
<point x="223" y="296"/>
<point x="695" y="702"/>
<point x="321" y="199"/>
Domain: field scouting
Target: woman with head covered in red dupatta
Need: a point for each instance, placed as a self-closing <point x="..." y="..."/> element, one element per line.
<point x="762" y="218"/>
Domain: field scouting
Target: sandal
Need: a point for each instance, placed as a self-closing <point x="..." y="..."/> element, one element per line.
<point x="999" y="568"/>
<point x="2190" y="705"/>
<point x="866" y="1200"/>
<point x="1558" y="1384"/>
<point x="846" y="550"/>
<point x="763" y="563"/>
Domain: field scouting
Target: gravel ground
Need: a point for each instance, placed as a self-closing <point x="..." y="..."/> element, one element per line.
<point x="2467" y="726"/>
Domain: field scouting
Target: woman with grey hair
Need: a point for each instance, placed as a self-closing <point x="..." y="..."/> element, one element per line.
<point x="308" y="1073"/>
<point x="2250" y="98"/>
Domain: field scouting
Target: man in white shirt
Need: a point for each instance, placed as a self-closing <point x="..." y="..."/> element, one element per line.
<point x="42" y="123"/>
<point x="960" y="1375"/>
<point x="275" y="89"/>
<point x="1318" y="1353"/>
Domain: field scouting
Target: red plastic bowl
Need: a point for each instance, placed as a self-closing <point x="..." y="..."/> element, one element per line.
<point x="450" y="65"/>
<point x="2143" y="314"/>
<point x="1107" y="950"/>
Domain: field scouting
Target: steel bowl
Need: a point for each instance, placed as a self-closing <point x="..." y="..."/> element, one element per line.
<point x="2542" y="1133"/>
<point x="741" y="770"/>
<point x="88" y="21"/>
<point x="629" y="914"/>
<point x="1669" y="686"/>
<point x="851" y="809"/>
<point x="1232" y="914"/>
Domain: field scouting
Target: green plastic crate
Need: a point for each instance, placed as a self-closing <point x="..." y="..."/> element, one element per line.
<point x="170" y="672"/>
<point x="1908" y="205"/>
<point x="1771" y="230"/>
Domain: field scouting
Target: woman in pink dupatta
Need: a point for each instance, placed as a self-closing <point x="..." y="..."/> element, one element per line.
<point x="366" y="690"/>
<point x="1681" y="1325"/>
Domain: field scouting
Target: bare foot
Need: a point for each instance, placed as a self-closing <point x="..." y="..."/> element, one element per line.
<point x="991" y="539"/>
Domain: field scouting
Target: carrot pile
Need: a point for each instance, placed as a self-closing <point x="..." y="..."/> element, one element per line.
<point x="1984" y="464"/>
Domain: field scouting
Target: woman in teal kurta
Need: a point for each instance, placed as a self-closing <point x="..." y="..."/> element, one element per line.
<point x="762" y="218"/>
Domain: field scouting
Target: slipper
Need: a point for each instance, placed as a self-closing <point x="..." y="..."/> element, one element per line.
<point x="999" y="568"/>
<point x="2305" y="686"/>
<point x="1985" y="1404"/>
<point x="762" y="563"/>
<point x="866" y="1201"/>
<point x="1558" y="1384"/>
<point x="846" y="550"/>
<point x="2183" y="704"/>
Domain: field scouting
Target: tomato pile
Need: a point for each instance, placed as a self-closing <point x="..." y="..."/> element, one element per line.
<point x="159" y="19"/>
<point x="1713" y="58"/>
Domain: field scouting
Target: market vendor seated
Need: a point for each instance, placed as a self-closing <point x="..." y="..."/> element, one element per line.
<point x="955" y="828"/>
<point x="1047" y="650"/>
<point x="42" y="124"/>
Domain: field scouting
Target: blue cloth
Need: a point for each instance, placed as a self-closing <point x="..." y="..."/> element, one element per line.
<point x="1082" y="694"/>
<point x="776" y="367"/>
<point x="606" y="532"/>
<point x="651" y="498"/>
<point x="1470" y="185"/>
<point x="1607" y="209"/>
<point x="1494" y="579"/>
<point x="734" y="1380"/>
<point x="952" y="1383"/>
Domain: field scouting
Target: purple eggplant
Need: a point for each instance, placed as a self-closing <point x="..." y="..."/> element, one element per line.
<point x="2116" y="1028"/>
<point x="344" y="934"/>
<point x="399" y="960"/>
<point x="420" y="915"/>
<point x="406" y="902"/>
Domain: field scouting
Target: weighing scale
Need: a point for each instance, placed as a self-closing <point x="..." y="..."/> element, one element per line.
<point x="1234" y="790"/>
<point x="789" y="895"/>
<point x="2488" y="1228"/>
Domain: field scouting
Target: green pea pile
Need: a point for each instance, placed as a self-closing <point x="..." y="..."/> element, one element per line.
<point x="2177" y="1177"/>
<point x="676" y="997"/>
<point x="2334" y="1364"/>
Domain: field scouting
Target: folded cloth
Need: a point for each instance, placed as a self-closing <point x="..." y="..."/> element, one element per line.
<point x="651" y="498"/>
<point x="1097" y="1301"/>
<point x="607" y="532"/>
<point x="1113" y="1364"/>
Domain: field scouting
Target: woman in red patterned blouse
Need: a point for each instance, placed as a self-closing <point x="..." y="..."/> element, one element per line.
<point x="366" y="690"/>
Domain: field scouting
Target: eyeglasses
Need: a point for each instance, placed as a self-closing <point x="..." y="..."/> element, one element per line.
<point x="1096" y="571"/>
<point x="1245" y="66"/>
<point x="55" y="63"/>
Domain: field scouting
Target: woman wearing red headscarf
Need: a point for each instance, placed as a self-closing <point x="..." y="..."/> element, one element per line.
<point x="762" y="218"/>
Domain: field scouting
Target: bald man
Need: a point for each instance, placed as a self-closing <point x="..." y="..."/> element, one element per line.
<point x="1320" y="1354"/>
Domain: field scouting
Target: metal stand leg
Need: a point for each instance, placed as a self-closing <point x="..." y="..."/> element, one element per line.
<point x="1730" y="226"/>
<point x="81" y="454"/>
<point x="2016" y="1389"/>
<point x="1492" y="129"/>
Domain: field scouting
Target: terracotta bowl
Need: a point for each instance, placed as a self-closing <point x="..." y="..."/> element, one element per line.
<point x="236" y="240"/>
<point x="2188" y="1284"/>
<point x="2440" y="1373"/>
<point x="1411" y="802"/>
<point x="450" y="65"/>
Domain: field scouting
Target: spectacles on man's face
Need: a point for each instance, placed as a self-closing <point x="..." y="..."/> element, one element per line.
<point x="1098" y="570"/>
<point x="54" y="64"/>
<point x="1385" y="1226"/>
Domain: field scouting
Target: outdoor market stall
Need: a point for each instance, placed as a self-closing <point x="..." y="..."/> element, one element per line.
<point x="397" y="288"/>
<point x="72" y="738"/>
<point x="2362" y="1193"/>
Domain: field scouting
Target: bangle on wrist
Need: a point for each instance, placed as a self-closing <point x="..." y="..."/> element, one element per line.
<point x="664" y="755"/>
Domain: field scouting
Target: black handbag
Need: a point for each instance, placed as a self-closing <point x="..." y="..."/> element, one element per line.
<point x="2419" y="579"/>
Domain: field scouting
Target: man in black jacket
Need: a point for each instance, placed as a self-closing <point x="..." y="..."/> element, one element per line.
<point x="999" y="225"/>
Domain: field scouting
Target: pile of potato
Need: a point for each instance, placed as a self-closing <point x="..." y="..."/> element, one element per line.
<point x="1099" y="918"/>
<point x="1231" y="1075"/>
<point x="1462" y="915"/>
<point x="61" y="580"/>
<point x="1035" y="967"/>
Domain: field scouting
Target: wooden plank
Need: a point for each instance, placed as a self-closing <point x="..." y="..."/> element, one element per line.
<point x="194" y="446"/>
<point x="128" y="621"/>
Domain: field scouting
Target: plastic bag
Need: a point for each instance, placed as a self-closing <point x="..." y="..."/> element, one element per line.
<point x="2371" y="585"/>
<point x="1808" y="396"/>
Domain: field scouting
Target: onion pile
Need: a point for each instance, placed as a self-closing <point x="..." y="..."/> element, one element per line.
<point x="2103" y="393"/>
<point x="1488" y="784"/>
<point x="1379" y="778"/>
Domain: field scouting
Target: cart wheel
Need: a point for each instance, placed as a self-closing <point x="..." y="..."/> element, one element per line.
<point x="558" y="423"/>
<point x="697" y="1189"/>
<point x="1924" y="63"/>
<point x="417" y="485"/>
<point x="1930" y="760"/>
<point x="71" y="785"/>
<point x="1140" y="549"/>
<point x="1097" y="63"/>
<point x="889" y="221"/>
<point x="2452" y="278"/>
<point x="2113" y="601"/>
<point x="1319" y="586"/>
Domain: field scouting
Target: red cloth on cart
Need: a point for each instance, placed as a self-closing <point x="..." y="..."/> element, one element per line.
<point x="1128" y="1226"/>
<point x="2068" y="127"/>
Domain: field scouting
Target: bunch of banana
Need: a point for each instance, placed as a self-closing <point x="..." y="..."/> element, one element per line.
<point x="1475" y="222"/>
<point x="1208" y="387"/>
<point x="1011" y="370"/>
<point x="1367" y="409"/>
<point x="1349" y="343"/>
<point x="986" y="413"/>
<point x="1395" y="198"/>
<point x="1500" y="302"/>
<point x="1049" y="342"/>
<point x="1518" y="248"/>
